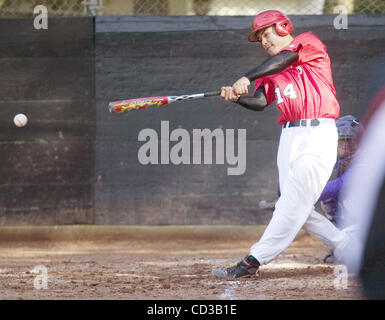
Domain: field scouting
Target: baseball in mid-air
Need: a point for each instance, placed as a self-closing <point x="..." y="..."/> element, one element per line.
<point x="20" y="120"/>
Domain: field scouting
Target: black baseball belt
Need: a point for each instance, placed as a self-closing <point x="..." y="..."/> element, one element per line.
<point x="302" y="123"/>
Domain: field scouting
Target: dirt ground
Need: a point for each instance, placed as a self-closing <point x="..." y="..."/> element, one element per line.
<point x="172" y="267"/>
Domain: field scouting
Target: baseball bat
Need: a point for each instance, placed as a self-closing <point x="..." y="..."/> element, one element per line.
<point x="121" y="106"/>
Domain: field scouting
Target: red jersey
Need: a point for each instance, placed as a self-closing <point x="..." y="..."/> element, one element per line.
<point x="304" y="90"/>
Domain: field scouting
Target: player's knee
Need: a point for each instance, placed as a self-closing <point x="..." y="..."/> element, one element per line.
<point x="292" y="209"/>
<point x="311" y="176"/>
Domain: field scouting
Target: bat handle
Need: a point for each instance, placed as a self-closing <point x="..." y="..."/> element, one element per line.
<point x="212" y="93"/>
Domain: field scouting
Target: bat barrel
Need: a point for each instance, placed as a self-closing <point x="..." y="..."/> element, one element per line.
<point x="143" y="103"/>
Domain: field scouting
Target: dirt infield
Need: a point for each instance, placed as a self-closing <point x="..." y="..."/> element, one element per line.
<point x="160" y="263"/>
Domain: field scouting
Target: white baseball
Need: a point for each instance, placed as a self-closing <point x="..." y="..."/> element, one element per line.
<point x="20" y="120"/>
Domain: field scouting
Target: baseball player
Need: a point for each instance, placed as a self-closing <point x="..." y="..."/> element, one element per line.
<point x="298" y="77"/>
<point x="348" y="128"/>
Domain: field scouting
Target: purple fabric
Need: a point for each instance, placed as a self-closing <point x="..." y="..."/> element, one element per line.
<point x="330" y="194"/>
<point x="332" y="189"/>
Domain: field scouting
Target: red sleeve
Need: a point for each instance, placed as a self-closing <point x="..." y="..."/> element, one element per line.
<point x="269" y="89"/>
<point x="309" y="47"/>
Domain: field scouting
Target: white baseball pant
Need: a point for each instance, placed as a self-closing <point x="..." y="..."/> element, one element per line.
<point x="306" y="157"/>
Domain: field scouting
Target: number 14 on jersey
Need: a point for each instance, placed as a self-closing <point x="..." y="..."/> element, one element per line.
<point x="289" y="91"/>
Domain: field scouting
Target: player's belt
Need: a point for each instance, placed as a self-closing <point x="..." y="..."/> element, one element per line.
<point x="302" y="123"/>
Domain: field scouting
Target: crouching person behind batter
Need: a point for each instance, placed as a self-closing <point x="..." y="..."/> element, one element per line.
<point x="298" y="77"/>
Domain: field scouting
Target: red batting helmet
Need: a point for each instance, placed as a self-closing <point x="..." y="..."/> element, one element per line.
<point x="267" y="18"/>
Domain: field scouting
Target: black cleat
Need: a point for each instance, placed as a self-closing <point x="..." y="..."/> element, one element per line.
<point x="331" y="258"/>
<point x="328" y="258"/>
<point x="244" y="269"/>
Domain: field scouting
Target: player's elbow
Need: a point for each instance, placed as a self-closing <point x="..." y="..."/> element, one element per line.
<point x="253" y="103"/>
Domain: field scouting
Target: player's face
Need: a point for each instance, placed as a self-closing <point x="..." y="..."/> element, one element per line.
<point x="271" y="41"/>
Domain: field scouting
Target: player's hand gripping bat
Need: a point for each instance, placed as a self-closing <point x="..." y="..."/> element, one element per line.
<point x="143" y="103"/>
